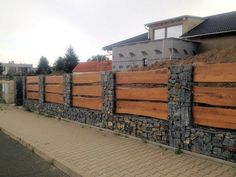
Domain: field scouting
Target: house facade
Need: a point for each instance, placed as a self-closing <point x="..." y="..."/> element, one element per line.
<point x="16" y="68"/>
<point x="174" y="38"/>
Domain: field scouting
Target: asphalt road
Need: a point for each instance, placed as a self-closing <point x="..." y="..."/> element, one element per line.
<point x="18" y="161"/>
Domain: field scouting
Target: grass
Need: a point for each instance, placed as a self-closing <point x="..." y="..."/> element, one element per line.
<point x="27" y="109"/>
<point x="144" y="141"/>
<point x="178" y="151"/>
<point x="51" y="162"/>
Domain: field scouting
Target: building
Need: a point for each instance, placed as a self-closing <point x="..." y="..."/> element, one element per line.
<point x="93" y="66"/>
<point x="174" y="38"/>
<point x="14" y="68"/>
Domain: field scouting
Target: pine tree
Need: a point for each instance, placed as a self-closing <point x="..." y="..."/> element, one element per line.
<point x="71" y="60"/>
<point x="59" y="65"/>
<point x="43" y="67"/>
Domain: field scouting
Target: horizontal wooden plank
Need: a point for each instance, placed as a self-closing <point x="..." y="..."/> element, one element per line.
<point x="215" y="73"/>
<point x="153" y="76"/>
<point x="54" y="98"/>
<point x="86" y="78"/>
<point x="215" y="117"/>
<point x="149" y="109"/>
<point x="32" y="79"/>
<point x="32" y="88"/>
<point x="54" y="79"/>
<point x="141" y="93"/>
<point x="83" y="102"/>
<point x="215" y="95"/>
<point x="93" y="90"/>
<point x="55" y="89"/>
<point x="32" y="95"/>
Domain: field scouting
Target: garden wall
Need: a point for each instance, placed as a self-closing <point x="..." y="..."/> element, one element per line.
<point x="186" y="107"/>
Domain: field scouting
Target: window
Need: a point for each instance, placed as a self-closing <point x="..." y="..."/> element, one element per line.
<point x="127" y="66"/>
<point x="120" y="67"/>
<point x="132" y="54"/>
<point x="173" y="50"/>
<point x="145" y="61"/>
<point x="159" y="33"/>
<point x="194" y="52"/>
<point x="144" y="53"/>
<point x="185" y="52"/>
<point x="174" y="31"/>
<point x="157" y="51"/>
<point x="114" y="67"/>
<point x="121" y="55"/>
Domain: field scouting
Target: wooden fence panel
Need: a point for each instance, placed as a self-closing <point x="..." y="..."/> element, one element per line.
<point x="215" y="95"/>
<point x="86" y="78"/>
<point x="153" y="76"/>
<point x="141" y="93"/>
<point x="54" y="79"/>
<point x="215" y="73"/>
<point x="93" y="90"/>
<point x="32" y="79"/>
<point x="32" y="88"/>
<point x="32" y="95"/>
<point x="54" y="98"/>
<point x="215" y="117"/>
<point x="150" y="109"/>
<point x="55" y="89"/>
<point x="91" y="103"/>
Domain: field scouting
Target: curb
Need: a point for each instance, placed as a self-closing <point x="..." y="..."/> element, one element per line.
<point x="44" y="156"/>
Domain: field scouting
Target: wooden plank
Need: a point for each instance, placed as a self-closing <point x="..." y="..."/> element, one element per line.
<point x="215" y="95"/>
<point x="150" y="109"/>
<point x="54" y="98"/>
<point x="83" y="102"/>
<point x="32" y="95"/>
<point x="32" y="87"/>
<point x="93" y="90"/>
<point x="86" y="78"/>
<point x="215" y="73"/>
<point x="141" y="93"/>
<point x="32" y="79"/>
<point x="54" y="79"/>
<point x="55" y="89"/>
<point x="215" y="117"/>
<point x="153" y="76"/>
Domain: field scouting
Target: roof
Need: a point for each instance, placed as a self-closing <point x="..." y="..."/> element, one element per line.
<point x="172" y="19"/>
<point x="135" y="39"/>
<point x="216" y="24"/>
<point x="93" y="66"/>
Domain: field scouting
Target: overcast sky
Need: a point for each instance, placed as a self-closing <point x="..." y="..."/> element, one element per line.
<point x="33" y="28"/>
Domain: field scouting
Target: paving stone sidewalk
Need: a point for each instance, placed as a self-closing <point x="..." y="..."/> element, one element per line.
<point x="18" y="161"/>
<point x="92" y="152"/>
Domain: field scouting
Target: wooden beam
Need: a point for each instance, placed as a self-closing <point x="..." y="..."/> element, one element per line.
<point x="215" y="95"/>
<point x="215" y="117"/>
<point x="86" y="78"/>
<point x="32" y="95"/>
<point x="54" y="79"/>
<point x="32" y="79"/>
<point x="55" y="89"/>
<point x="93" y="90"/>
<point x="215" y="73"/>
<point x="54" y="98"/>
<point x="141" y="93"/>
<point x="90" y="103"/>
<point x="153" y="77"/>
<point x="149" y="109"/>
<point x="32" y="87"/>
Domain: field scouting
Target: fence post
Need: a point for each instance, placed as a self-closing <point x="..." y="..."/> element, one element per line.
<point x="41" y="89"/>
<point x="107" y="95"/>
<point x="67" y="90"/>
<point x="180" y="106"/>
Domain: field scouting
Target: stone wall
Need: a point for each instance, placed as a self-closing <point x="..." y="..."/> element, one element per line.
<point x="179" y="131"/>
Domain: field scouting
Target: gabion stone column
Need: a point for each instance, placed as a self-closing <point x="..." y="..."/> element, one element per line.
<point x="24" y="89"/>
<point x="67" y="90"/>
<point x="41" y="90"/>
<point x="107" y="94"/>
<point x="179" y="106"/>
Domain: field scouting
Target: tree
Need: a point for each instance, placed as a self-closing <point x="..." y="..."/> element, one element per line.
<point x="98" y="58"/>
<point x="1" y="68"/>
<point x="71" y="60"/>
<point x="43" y="67"/>
<point x="59" y="64"/>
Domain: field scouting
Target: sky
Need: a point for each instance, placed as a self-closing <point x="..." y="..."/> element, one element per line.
<point x="30" y="29"/>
